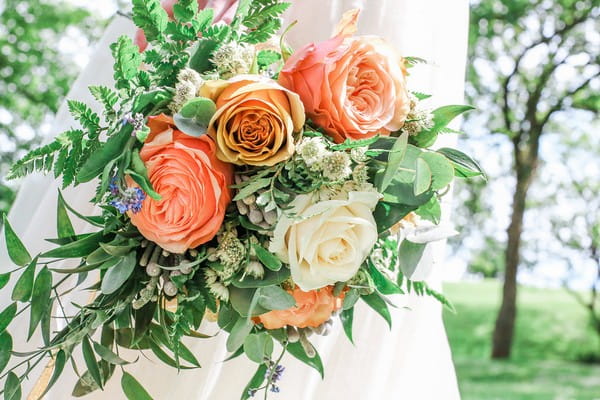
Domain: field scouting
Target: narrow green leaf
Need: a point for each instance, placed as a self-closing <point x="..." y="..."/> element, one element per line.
<point x="133" y="389"/>
<point x="347" y="317"/>
<point x="64" y="227"/>
<point x="236" y="338"/>
<point x="12" y="387"/>
<point x="267" y="258"/>
<point x="40" y="299"/>
<point x="255" y="382"/>
<point x="108" y="151"/>
<point x="275" y="298"/>
<point x="6" y="344"/>
<point x="422" y="177"/>
<point x="77" y="249"/>
<point x="107" y="355"/>
<point x="464" y="166"/>
<point x="22" y="290"/>
<point x="383" y="284"/>
<point x="90" y="361"/>
<point x="16" y="250"/>
<point x="252" y="187"/>
<point x="59" y="365"/>
<point x="7" y="316"/>
<point x="376" y="303"/>
<point x="4" y="278"/>
<point x="297" y="351"/>
<point x="144" y="183"/>
<point x="116" y="276"/>
<point x="46" y="322"/>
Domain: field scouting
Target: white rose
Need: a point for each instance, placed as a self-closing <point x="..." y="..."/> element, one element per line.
<point x="326" y="242"/>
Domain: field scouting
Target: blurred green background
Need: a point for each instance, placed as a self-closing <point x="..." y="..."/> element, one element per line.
<point x="524" y="275"/>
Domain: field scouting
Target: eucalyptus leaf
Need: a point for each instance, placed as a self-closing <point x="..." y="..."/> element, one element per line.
<point x="40" y="299"/>
<point x="16" y="250"/>
<point x="116" y="276"/>
<point x="240" y="330"/>
<point x="133" y="389"/>
<point x="422" y="177"/>
<point x="258" y="346"/>
<point x="275" y="298"/>
<point x="395" y="158"/>
<point x="442" y="172"/>
<point x="24" y="286"/>
<point x="7" y="316"/>
<point x="410" y="255"/>
<point x="350" y="299"/>
<point x="267" y="258"/>
<point x="464" y="166"/>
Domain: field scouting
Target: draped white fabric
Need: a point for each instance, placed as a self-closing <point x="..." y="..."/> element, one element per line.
<point x="413" y="360"/>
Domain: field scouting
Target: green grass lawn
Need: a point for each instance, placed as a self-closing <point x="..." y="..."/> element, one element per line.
<point x="551" y="333"/>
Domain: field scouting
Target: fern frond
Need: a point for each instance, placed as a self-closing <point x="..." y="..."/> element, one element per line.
<point x="151" y="18"/>
<point x="105" y="96"/>
<point x="87" y="118"/>
<point x="127" y="61"/>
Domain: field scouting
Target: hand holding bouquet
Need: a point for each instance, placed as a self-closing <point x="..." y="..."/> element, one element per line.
<point x="237" y="178"/>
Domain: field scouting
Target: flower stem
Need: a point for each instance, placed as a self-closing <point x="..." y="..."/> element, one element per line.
<point x="273" y="369"/>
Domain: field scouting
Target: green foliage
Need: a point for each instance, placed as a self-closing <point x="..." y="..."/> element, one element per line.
<point x="127" y="60"/>
<point x="16" y="250"/>
<point x="151" y="18"/>
<point x="133" y="389"/>
<point x="260" y="18"/>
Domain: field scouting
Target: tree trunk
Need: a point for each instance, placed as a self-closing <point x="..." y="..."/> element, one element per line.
<point x="505" y="322"/>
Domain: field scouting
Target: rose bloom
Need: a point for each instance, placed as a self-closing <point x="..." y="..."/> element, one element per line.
<point x="327" y="241"/>
<point x="312" y="309"/>
<point x="256" y="120"/>
<point x="193" y="183"/>
<point x="351" y="87"/>
<point x="224" y="11"/>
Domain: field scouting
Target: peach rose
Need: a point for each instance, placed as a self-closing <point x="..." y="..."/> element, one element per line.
<point x="312" y="309"/>
<point x="351" y="87"/>
<point x="193" y="183"/>
<point x="256" y="120"/>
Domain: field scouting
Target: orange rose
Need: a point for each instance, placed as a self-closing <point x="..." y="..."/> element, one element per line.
<point x="255" y="121"/>
<point x="351" y="87"/>
<point x="193" y="183"/>
<point x="312" y="309"/>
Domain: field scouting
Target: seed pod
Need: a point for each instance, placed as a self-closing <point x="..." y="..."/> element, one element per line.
<point x="185" y="268"/>
<point x="169" y="288"/>
<point x="293" y="335"/>
<point x="249" y="200"/>
<point x="319" y="329"/>
<point x="147" y="253"/>
<point x="242" y="207"/>
<point x="270" y="217"/>
<point x="153" y="269"/>
<point x="255" y="217"/>
<point x="306" y="345"/>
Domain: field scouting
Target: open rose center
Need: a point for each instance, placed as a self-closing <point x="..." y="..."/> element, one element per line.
<point x="254" y="130"/>
<point x="362" y="87"/>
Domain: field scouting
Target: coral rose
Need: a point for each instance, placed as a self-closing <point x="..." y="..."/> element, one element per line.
<point x="193" y="183"/>
<point x="351" y="87"/>
<point x="256" y="120"/>
<point x="326" y="242"/>
<point x="312" y="309"/>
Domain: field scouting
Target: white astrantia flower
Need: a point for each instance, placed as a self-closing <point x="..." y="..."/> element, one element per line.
<point x="336" y="166"/>
<point x="327" y="241"/>
<point x="233" y="59"/>
<point x="418" y="119"/>
<point x="312" y="150"/>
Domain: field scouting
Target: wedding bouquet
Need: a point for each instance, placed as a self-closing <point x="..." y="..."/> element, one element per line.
<point x="240" y="182"/>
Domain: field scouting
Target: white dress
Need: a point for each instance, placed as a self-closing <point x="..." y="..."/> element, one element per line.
<point x="413" y="360"/>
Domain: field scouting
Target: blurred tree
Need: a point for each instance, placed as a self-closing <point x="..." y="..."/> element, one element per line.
<point x="34" y="74"/>
<point x="530" y="60"/>
<point x="578" y="228"/>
